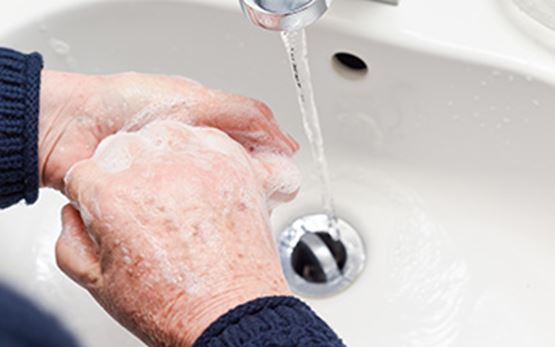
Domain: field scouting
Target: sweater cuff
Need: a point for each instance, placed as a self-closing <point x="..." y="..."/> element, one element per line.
<point x="273" y="321"/>
<point x="19" y="113"/>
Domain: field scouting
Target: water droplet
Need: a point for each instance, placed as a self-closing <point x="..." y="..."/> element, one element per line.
<point x="59" y="46"/>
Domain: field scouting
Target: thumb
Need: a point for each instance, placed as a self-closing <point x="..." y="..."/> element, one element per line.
<point x="76" y="253"/>
<point x="280" y="176"/>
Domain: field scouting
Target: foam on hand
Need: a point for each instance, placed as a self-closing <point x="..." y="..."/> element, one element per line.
<point x="114" y="157"/>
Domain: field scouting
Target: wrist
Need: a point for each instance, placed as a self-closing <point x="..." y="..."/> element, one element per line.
<point x="215" y="306"/>
<point x="62" y="99"/>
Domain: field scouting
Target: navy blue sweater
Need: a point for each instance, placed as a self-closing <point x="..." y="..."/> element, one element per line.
<point x="271" y="322"/>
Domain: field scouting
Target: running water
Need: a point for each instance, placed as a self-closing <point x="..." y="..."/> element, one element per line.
<point x="295" y="44"/>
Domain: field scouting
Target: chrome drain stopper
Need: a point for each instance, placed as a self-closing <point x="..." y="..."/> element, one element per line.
<point x="314" y="262"/>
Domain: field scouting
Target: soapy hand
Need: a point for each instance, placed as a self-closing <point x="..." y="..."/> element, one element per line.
<point x="78" y="111"/>
<point x="168" y="228"/>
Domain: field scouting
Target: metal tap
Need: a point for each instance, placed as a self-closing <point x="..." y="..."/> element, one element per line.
<point x="288" y="15"/>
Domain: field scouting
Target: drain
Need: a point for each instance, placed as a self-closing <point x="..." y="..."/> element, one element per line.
<point x="314" y="263"/>
<point x="308" y="265"/>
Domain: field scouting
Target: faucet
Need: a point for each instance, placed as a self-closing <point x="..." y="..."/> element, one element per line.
<point x="288" y="15"/>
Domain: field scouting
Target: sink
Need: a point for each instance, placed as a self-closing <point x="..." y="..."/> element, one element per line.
<point x="441" y="156"/>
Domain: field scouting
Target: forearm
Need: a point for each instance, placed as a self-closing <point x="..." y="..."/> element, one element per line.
<point x="26" y="92"/>
<point x="27" y="153"/>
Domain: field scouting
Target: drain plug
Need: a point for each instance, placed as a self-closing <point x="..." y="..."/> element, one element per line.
<point x="314" y="263"/>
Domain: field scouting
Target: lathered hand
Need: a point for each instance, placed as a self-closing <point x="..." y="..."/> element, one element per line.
<point x="78" y="111"/>
<point x="169" y="229"/>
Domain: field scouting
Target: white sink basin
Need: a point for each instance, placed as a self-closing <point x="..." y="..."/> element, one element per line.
<point x="442" y="156"/>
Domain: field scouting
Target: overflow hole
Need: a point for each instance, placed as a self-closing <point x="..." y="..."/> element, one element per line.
<point x="350" y="65"/>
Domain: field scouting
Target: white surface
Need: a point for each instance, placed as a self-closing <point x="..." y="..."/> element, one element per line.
<point x="441" y="155"/>
<point x="541" y="10"/>
<point x="480" y="30"/>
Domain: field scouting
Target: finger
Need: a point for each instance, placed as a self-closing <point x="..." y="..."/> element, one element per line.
<point x="114" y="154"/>
<point x="81" y="180"/>
<point x="280" y="176"/>
<point x="117" y="152"/>
<point x="249" y="122"/>
<point x="76" y="253"/>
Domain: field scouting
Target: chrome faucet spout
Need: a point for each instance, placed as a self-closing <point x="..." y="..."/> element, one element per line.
<point x="288" y="15"/>
<point x="284" y="15"/>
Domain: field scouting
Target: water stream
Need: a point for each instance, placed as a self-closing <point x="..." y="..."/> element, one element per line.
<point x="296" y="47"/>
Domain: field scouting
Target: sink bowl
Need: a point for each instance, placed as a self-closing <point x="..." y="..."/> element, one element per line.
<point x="441" y="156"/>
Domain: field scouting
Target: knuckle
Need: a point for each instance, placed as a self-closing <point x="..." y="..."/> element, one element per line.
<point x="73" y="178"/>
<point x="262" y="109"/>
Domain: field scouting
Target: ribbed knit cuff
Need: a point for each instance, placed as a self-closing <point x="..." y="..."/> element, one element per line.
<point x="19" y="113"/>
<point x="278" y="321"/>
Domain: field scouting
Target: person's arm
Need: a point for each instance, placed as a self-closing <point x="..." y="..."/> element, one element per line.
<point x="22" y="324"/>
<point x="272" y="321"/>
<point x="175" y="242"/>
<point x="19" y="112"/>
<point x="78" y="111"/>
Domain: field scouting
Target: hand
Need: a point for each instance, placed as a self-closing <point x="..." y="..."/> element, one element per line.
<point x="78" y="111"/>
<point x="174" y="229"/>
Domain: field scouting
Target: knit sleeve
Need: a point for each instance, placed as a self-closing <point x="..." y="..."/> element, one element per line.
<point x="23" y="324"/>
<point x="273" y="321"/>
<point x="19" y="112"/>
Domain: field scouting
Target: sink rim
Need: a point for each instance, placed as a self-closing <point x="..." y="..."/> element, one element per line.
<point x="492" y="39"/>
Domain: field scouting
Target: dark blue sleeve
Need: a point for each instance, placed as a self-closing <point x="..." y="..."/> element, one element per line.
<point x="270" y="322"/>
<point x="22" y="324"/>
<point x="19" y="113"/>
